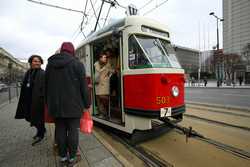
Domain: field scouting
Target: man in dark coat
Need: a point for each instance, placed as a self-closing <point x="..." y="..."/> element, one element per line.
<point x="67" y="97"/>
<point x="31" y="102"/>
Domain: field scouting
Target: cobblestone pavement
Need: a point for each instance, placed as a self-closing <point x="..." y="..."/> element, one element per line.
<point x="15" y="142"/>
<point x="16" y="150"/>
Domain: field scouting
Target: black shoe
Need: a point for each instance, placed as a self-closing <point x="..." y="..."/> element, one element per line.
<point x="37" y="140"/>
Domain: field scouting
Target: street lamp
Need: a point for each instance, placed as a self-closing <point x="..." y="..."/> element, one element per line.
<point x="217" y="45"/>
<point x="217" y="21"/>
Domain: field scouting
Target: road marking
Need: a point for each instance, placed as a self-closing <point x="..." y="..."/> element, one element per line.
<point x="237" y="95"/>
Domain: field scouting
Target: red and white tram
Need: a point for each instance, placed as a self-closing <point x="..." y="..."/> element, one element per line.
<point x="150" y="79"/>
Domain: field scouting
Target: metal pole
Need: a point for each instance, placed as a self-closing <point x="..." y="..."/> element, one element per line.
<point x="9" y="94"/>
<point x="98" y="16"/>
<point x="17" y="94"/>
<point x="218" y="47"/>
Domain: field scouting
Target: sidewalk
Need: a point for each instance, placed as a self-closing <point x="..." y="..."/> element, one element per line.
<point x="16" y="149"/>
<point x="213" y="84"/>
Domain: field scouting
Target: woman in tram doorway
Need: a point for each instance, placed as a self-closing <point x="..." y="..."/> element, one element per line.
<point x="103" y="72"/>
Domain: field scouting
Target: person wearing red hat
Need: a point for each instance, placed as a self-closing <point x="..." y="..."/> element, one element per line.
<point x="66" y="95"/>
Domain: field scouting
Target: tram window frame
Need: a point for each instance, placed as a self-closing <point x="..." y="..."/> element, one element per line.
<point x="136" y="56"/>
<point x="82" y="54"/>
<point x="152" y="51"/>
<point x="168" y="59"/>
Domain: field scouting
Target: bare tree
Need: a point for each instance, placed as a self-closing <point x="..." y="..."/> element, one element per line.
<point x="246" y="52"/>
<point x="230" y="60"/>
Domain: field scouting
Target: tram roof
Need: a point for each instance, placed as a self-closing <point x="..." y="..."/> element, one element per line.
<point x="130" y="20"/>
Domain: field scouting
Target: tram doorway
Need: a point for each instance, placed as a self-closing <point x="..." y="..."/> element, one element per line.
<point x="107" y="78"/>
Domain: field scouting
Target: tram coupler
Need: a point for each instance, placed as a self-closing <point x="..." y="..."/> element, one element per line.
<point x="188" y="132"/>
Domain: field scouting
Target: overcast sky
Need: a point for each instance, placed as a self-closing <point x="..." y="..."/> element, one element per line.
<point x="28" y="28"/>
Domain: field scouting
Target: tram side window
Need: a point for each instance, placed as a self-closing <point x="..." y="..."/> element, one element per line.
<point x="137" y="58"/>
<point x="81" y="54"/>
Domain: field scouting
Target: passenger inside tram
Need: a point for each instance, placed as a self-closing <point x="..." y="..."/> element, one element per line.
<point x="103" y="71"/>
<point x="111" y="50"/>
<point x="114" y="60"/>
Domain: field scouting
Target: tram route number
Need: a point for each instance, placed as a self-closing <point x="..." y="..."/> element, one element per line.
<point x="162" y="100"/>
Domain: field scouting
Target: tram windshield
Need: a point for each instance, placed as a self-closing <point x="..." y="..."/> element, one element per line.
<point x="151" y="52"/>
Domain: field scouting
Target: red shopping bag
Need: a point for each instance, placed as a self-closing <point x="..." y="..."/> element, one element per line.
<point x="47" y="117"/>
<point x="86" y="123"/>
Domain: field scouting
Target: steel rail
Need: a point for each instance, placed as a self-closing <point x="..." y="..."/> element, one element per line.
<point x="219" y="111"/>
<point x="189" y="132"/>
<point x="218" y="122"/>
<point x="148" y="158"/>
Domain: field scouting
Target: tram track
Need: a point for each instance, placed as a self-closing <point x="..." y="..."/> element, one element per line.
<point x="217" y="122"/>
<point x="152" y="160"/>
<point x="241" y="114"/>
<point x="146" y="156"/>
<point x="189" y="132"/>
<point x="154" y="155"/>
<point x="233" y="118"/>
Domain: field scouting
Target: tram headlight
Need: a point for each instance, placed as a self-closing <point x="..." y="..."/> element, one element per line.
<point x="175" y="91"/>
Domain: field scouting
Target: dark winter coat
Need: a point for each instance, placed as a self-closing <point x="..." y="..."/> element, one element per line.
<point x="31" y="100"/>
<point x="66" y="88"/>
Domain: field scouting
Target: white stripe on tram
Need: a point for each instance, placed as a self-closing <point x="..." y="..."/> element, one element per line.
<point x="153" y="71"/>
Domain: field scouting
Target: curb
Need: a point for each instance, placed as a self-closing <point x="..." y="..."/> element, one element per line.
<point x="229" y="107"/>
<point x="117" y="155"/>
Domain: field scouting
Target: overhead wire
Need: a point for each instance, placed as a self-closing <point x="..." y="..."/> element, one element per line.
<point x="92" y="16"/>
<point x="105" y="20"/>
<point x="81" y="24"/>
<point x="84" y="21"/>
<point x="119" y="4"/>
<point x="146" y="4"/>
<point x="157" y="6"/>
<point x="84" y="16"/>
<point x="89" y="18"/>
<point x="55" y="6"/>
<point x="94" y="12"/>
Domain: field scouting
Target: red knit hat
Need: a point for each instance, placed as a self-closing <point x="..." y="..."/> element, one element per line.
<point x="68" y="47"/>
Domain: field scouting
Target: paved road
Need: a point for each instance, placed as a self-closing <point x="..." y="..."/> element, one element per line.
<point x="233" y="97"/>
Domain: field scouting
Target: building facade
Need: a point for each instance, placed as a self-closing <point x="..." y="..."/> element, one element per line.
<point x="236" y="33"/>
<point x="11" y="69"/>
<point x="188" y="58"/>
<point x="236" y="25"/>
<point x="207" y="61"/>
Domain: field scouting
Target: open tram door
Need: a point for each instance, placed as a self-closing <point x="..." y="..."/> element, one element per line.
<point x="111" y="46"/>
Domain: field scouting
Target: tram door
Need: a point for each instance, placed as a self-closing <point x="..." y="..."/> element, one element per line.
<point x="107" y="106"/>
